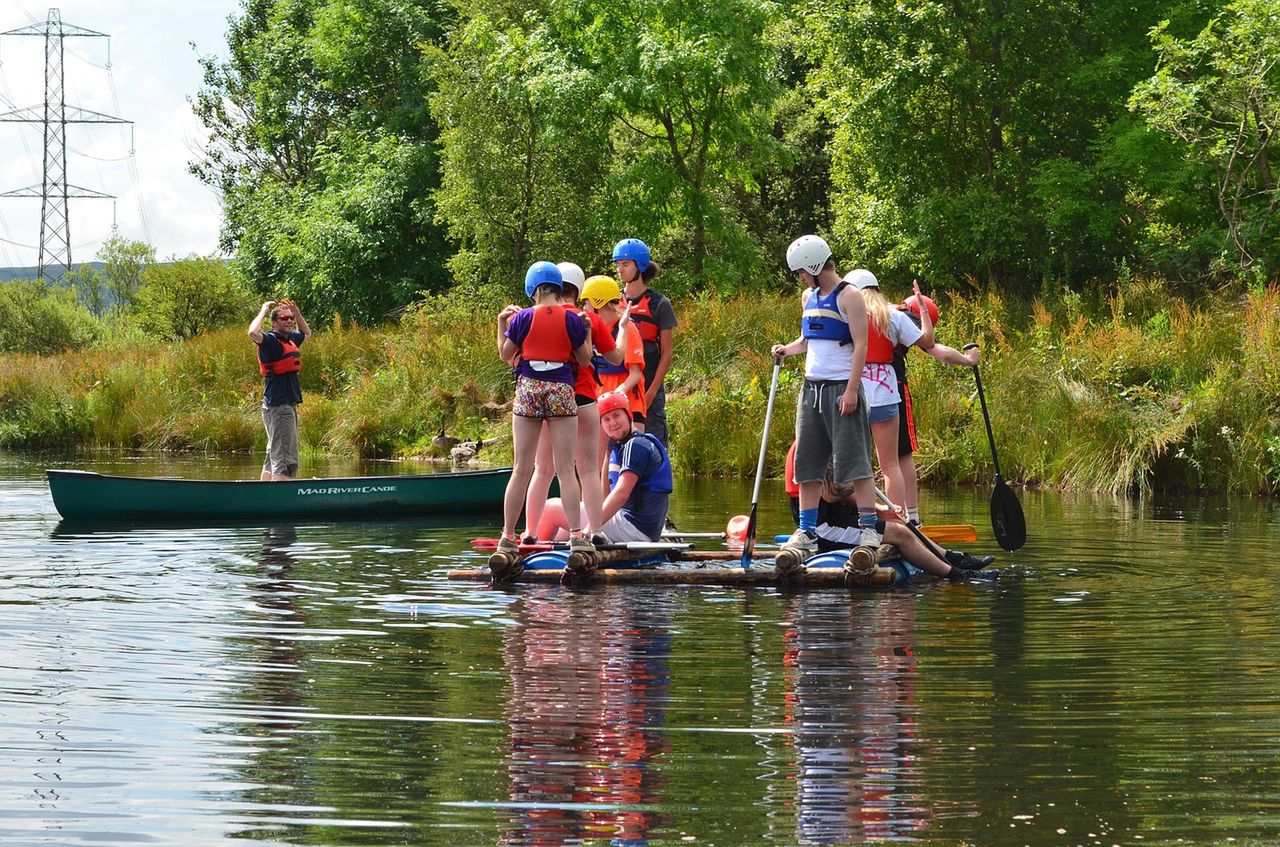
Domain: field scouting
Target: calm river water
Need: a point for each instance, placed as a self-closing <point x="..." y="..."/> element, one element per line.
<point x="324" y="684"/>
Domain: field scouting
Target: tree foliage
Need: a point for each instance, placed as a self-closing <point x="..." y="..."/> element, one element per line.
<point x="1219" y="94"/>
<point x="182" y="298"/>
<point x="1004" y="142"/>
<point x="323" y="147"/>
<point x="524" y="145"/>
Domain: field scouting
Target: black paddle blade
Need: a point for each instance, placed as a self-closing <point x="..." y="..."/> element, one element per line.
<point x="1006" y="517"/>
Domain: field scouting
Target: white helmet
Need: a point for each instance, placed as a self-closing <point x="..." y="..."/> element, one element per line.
<point x="862" y="278"/>
<point x="572" y="274"/>
<point x="808" y="252"/>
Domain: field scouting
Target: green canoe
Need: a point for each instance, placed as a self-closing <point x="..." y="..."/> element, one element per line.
<point x="86" y="496"/>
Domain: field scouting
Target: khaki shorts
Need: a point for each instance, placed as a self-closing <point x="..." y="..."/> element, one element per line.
<point x="282" y="440"/>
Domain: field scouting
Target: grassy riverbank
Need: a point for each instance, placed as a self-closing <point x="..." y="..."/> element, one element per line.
<point x="1107" y="392"/>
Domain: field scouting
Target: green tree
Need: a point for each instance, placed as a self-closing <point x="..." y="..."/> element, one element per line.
<point x="1218" y="93"/>
<point x="323" y="147"/>
<point x="36" y="317"/>
<point x="525" y="146"/>
<point x="693" y="86"/>
<point x="123" y="264"/>
<point x="90" y="285"/>
<point x="968" y="134"/>
<point x="182" y="298"/>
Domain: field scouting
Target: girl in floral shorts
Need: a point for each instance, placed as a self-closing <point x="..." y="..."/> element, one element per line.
<point x="546" y="344"/>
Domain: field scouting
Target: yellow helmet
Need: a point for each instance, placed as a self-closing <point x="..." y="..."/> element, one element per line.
<point x="601" y="290"/>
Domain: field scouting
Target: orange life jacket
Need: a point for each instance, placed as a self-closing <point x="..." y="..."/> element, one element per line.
<point x="879" y="347"/>
<point x="548" y="338"/>
<point x="642" y="317"/>
<point x="290" y="362"/>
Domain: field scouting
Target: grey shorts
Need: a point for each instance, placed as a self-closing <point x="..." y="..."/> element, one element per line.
<point x="826" y="437"/>
<point x="619" y="530"/>
<point x="282" y="440"/>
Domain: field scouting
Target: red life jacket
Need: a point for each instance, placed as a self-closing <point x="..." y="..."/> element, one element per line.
<point x="879" y="347"/>
<point x="548" y="338"/>
<point x="290" y="362"/>
<point x="643" y="318"/>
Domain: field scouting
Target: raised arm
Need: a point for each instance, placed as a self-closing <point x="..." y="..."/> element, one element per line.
<point x="255" y="325"/>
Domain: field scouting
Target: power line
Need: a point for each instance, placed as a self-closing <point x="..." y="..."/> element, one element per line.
<point x="55" y="190"/>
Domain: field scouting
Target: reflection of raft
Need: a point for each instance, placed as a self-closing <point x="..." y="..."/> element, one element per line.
<point x="695" y="567"/>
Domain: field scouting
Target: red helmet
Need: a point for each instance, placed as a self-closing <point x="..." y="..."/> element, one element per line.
<point x="910" y="305"/>
<point x="611" y="401"/>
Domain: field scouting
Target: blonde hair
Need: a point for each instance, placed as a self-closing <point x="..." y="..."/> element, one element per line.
<point x="877" y="309"/>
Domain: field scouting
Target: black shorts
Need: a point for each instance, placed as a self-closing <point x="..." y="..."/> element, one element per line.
<point x="637" y="417"/>
<point x="583" y="400"/>
<point x="906" y="423"/>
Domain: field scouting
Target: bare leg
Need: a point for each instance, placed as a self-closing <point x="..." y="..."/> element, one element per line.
<point x="587" y="458"/>
<point x="913" y="550"/>
<point x="885" y="435"/>
<point x="564" y="435"/>
<point x="911" y="488"/>
<point x="554" y="526"/>
<point x="544" y="467"/>
<point x="811" y="493"/>
<point x="524" y="439"/>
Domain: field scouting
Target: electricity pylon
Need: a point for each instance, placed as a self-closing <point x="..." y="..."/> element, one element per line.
<point x="54" y="191"/>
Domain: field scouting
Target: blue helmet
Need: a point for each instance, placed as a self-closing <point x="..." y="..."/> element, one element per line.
<point x="633" y="249"/>
<point x="541" y="273"/>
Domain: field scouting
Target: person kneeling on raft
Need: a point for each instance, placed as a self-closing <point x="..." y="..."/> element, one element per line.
<point x="640" y="481"/>
<point x="838" y="530"/>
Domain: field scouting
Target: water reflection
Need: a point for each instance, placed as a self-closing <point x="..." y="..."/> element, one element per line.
<point x="850" y="679"/>
<point x="587" y="694"/>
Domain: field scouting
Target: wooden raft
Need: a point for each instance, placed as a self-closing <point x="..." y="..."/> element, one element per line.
<point x="764" y="576"/>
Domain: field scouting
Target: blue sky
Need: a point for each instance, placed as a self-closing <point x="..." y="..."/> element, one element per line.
<point x="155" y="71"/>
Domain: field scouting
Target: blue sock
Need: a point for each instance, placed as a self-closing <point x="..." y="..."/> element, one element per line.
<point x="867" y="518"/>
<point x="809" y="519"/>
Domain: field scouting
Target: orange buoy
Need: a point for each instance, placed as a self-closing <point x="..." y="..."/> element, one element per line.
<point x="735" y="532"/>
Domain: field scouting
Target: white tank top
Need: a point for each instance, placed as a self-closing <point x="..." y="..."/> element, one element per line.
<point x="827" y="359"/>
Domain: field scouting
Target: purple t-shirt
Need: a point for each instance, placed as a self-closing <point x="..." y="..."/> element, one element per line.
<point x="518" y="329"/>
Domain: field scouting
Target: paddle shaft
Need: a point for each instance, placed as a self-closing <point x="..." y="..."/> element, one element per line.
<point x="749" y="542"/>
<point x="928" y="542"/>
<point x="986" y="418"/>
<point x="1007" y="521"/>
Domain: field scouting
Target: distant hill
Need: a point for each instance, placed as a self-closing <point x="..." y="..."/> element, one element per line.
<point x="7" y="274"/>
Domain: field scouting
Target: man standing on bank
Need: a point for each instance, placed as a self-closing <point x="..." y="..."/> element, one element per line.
<point x="279" y="361"/>
<point x="831" y="412"/>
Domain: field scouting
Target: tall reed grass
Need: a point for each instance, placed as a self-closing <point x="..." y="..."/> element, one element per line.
<point x="1127" y="389"/>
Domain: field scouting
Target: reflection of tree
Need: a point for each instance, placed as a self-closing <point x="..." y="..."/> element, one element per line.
<point x="852" y="669"/>
<point x="587" y="695"/>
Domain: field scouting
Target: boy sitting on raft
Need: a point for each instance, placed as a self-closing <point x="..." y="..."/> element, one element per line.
<point x="640" y="480"/>
<point x="838" y="529"/>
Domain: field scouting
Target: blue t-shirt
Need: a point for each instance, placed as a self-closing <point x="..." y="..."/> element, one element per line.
<point x="279" y="389"/>
<point x="645" y="509"/>
<point x="518" y="329"/>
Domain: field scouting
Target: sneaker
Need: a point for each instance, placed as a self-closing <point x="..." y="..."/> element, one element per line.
<point x="508" y="545"/>
<point x="958" y="575"/>
<point x="966" y="562"/>
<point x="528" y="538"/>
<point x="599" y="539"/>
<point x="804" y="542"/>
<point x="581" y="544"/>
